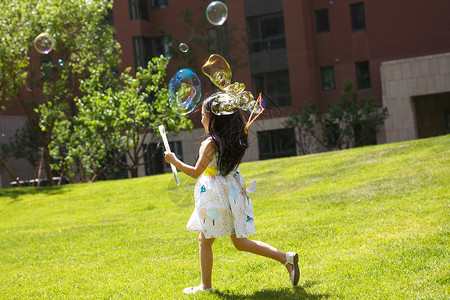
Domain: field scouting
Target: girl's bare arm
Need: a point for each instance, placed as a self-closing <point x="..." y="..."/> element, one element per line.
<point x="202" y="163"/>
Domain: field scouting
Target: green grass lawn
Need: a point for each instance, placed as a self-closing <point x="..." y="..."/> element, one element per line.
<point x="368" y="223"/>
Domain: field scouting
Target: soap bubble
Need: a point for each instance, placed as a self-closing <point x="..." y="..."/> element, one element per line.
<point x="223" y="105"/>
<point x="183" y="47"/>
<point x="258" y="106"/>
<point x="216" y="13"/>
<point x="185" y="90"/>
<point x="228" y="103"/>
<point x="235" y="96"/>
<point x="43" y="43"/>
<point x="218" y="70"/>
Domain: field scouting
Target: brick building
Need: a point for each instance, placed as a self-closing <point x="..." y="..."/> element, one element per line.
<point x="300" y="50"/>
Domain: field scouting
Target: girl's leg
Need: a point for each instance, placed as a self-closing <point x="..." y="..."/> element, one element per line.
<point x="260" y="248"/>
<point x="206" y="259"/>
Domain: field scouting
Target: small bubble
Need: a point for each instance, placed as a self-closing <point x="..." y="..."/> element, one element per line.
<point x="217" y="13"/>
<point x="183" y="47"/>
<point x="43" y="43"/>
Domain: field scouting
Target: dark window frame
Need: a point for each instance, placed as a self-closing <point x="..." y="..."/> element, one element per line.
<point x="142" y="51"/>
<point x="357" y="17"/>
<point x="159" y="4"/>
<point x="138" y="9"/>
<point x="273" y="100"/>
<point x="322" y="26"/>
<point x="260" y="43"/>
<point x="154" y="162"/>
<point x="359" y="76"/>
<point x="323" y="80"/>
<point x="278" y="143"/>
<point x="163" y="46"/>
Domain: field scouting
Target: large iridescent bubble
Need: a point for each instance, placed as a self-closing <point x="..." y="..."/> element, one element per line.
<point x="43" y="43"/>
<point x="185" y="90"/>
<point x="219" y="72"/>
<point x="217" y="13"/>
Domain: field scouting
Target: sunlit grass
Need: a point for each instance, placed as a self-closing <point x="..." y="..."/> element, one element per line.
<point x="368" y="223"/>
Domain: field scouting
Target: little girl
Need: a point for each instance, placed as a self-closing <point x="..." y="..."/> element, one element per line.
<point x="222" y="206"/>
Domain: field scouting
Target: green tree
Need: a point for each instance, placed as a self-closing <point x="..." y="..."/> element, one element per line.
<point x="352" y="122"/>
<point x="46" y="85"/>
<point x="118" y="120"/>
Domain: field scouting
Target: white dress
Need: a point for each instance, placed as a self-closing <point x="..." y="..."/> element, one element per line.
<point x="222" y="205"/>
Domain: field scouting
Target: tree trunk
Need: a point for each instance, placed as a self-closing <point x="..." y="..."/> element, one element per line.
<point x="133" y="171"/>
<point x="30" y="116"/>
<point x="48" y="169"/>
<point x="10" y="172"/>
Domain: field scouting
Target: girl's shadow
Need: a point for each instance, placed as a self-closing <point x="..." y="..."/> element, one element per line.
<point x="296" y="292"/>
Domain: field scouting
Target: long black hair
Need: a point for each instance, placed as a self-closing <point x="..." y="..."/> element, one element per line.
<point x="227" y="132"/>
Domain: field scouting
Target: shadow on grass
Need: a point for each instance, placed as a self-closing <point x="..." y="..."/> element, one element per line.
<point x="296" y="292"/>
<point x="16" y="192"/>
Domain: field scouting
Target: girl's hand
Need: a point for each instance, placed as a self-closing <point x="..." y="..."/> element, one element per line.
<point x="170" y="157"/>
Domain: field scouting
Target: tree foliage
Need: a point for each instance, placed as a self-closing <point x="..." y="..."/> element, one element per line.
<point x="351" y="122"/>
<point x="46" y="85"/>
<point x="113" y="121"/>
<point x="84" y="113"/>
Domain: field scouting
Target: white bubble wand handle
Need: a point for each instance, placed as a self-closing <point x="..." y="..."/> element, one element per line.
<point x="162" y="131"/>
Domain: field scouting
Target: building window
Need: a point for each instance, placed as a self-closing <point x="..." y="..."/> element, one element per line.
<point x="275" y="86"/>
<point x="322" y="22"/>
<point x="138" y="9"/>
<point x="163" y="46"/>
<point x="154" y="159"/>
<point x="327" y="75"/>
<point x="142" y="50"/>
<point x="158" y="4"/>
<point x="357" y="17"/>
<point x="363" y="75"/>
<point x="266" y="33"/>
<point x="276" y="143"/>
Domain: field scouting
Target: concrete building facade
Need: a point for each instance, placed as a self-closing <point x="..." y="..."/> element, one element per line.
<point x="416" y="92"/>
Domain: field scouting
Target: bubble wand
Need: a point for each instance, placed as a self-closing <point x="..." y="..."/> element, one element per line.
<point x="260" y="106"/>
<point x="162" y="132"/>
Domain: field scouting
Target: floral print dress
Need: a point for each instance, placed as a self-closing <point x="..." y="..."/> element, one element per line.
<point x="222" y="205"/>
